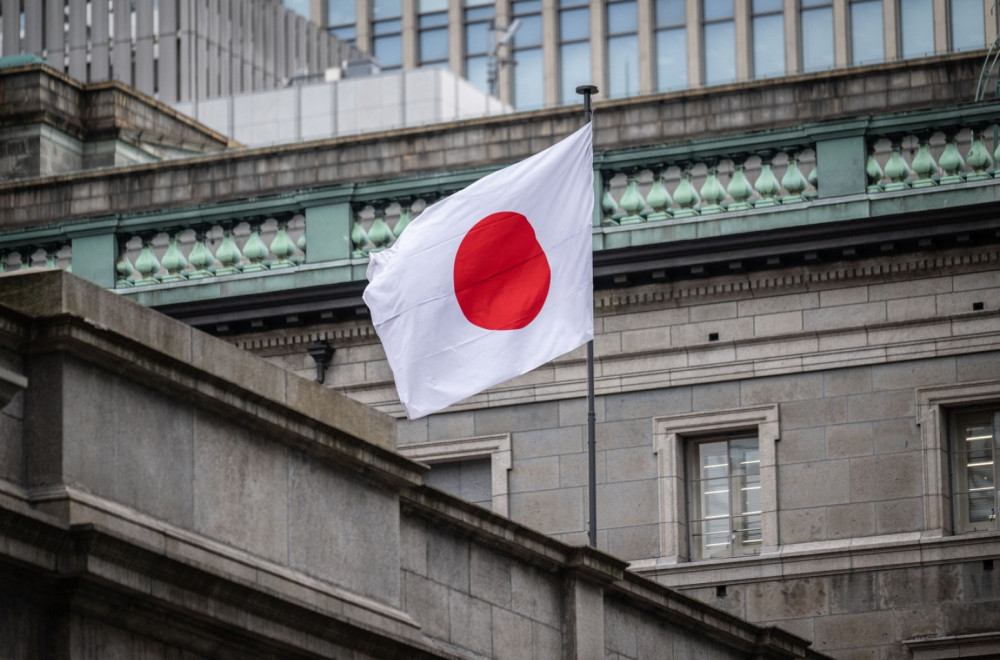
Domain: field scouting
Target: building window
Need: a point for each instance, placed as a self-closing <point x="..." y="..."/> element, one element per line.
<point x="719" y="41"/>
<point x="433" y="26"/>
<point x="958" y="433"/>
<point x="866" y="32"/>
<point x="387" y="34"/>
<point x="671" y="45"/>
<point x="574" y="48"/>
<point x="966" y="24"/>
<point x="529" y="91"/>
<point x="342" y="20"/>
<point x="768" y="26"/>
<point x="974" y="446"/>
<point x="724" y="496"/>
<point x="916" y="21"/>
<point x="817" y="34"/>
<point x="300" y="7"/>
<point x="478" y="19"/>
<point x="460" y="467"/>
<point x="717" y="480"/>
<point x="623" y="48"/>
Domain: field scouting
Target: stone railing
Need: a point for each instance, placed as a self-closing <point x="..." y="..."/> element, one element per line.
<point x="732" y="178"/>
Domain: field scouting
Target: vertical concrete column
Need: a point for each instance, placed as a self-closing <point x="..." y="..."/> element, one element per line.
<point x="121" y="56"/>
<point x="328" y="232"/>
<point x="78" y="39"/>
<point x="166" y="63"/>
<point x="225" y="47"/>
<point x="199" y="63"/>
<point x="696" y="75"/>
<point x="550" y="51"/>
<point x="456" y="37"/>
<point x="841" y="166"/>
<point x="583" y="608"/>
<point x="33" y="27"/>
<point x="505" y="74"/>
<point x="598" y="41"/>
<point x="744" y="47"/>
<point x="647" y="51"/>
<point x="941" y="36"/>
<point x="301" y="44"/>
<point x="54" y="38"/>
<point x="94" y="257"/>
<point x="891" y="31"/>
<point x="793" y="37"/>
<point x="257" y="47"/>
<point x="11" y="27"/>
<point x="410" y="29"/>
<point x="212" y="43"/>
<point x="284" y="46"/>
<point x="363" y="18"/>
<point x="841" y="34"/>
<point x="184" y="46"/>
<point x="144" y="46"/>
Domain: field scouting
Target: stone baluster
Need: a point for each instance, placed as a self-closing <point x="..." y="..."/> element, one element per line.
<point x="359" y="239"/>
<point x="173" y="259"/>
<point x="685" y="196"/>
<point x="896" y="169"/>
<point x="254" y="249"/>
<point x="874" y="171"/>
<point x="405" y="216"/>
<point x="632" y="202"/>
<point x="658" y="198"/>
<point x="712" y="192"/>
<point x="766" y="185"/>
<point x="813" y="180"/>
<point x="793" y="181"/>
<point x="123" y="267"/>
<point x="379" y="233"/>
<point x="610" y="215"/>
<point x="923" y="164"/>
<point x="739" y="187"/>
<point x="228" y="255"/>
<point x="951" y="161"/>
<point x="978" y="158"/>
<point x="3" y="261"/>
<point x="146" y="263"/>
<point x="201" y="258"/>
<point x="281" y="246"/>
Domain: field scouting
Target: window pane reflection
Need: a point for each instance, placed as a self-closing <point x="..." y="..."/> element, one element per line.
<point x="817" y="38"/>
<point x="720" y="53"/>
<point x="866" y="32"/>
<point x="917" y="27"/>
<point x="671" y="59"/>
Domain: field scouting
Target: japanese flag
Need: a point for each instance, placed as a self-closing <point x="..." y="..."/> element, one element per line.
<point x="490" y="282"/>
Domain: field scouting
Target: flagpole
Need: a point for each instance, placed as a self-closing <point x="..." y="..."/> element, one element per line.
<point x="587" y="91"/>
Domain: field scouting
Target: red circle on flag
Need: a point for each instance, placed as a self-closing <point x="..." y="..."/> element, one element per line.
<point x="501" y="273"/>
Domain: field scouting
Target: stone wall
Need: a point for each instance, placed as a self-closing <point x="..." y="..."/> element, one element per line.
<point x="640" y="121"/>
<point x="165" y="495"/>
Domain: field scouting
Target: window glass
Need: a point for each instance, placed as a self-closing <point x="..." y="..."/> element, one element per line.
<point x="433" y="46"/>
<point x="966" y="24"/>
<point x="765" y="6"/>
<point x="300" y="7"/>
<point x="974" y="449"/>
<point x="429" y="6"/>
<point x="574" y="24"/>
<point x="528" y="88"/>
<point x="671" y="59"/>
<point x="389" y="51"/>
<point x="622" y="17"/>
<point x="386" y="8"/>
<point x="866" y="32"/>
<point x="724" y="497"/>
<point x="341" y="19"/>
<point x="477" y="39"/>
<point x="530" y="31"/>
<point x="720" y="53"/>
<point x="669" y="13"/>
<point x="768" y="45"/>
<point x="714" y="10"/>
<point x="917" y="27"/>
<point x="575" y="58"/>
<point x="623" y="66"/>
<point x="817" y="38"/>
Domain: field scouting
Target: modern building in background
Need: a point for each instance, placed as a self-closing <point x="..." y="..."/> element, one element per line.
<point x="173" y="50"/>
<point x="630" y="47"/>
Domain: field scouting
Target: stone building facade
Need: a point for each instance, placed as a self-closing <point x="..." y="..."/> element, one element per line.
<point x="796" y="380"/>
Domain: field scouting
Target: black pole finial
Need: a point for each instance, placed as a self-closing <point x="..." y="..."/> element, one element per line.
<point x="587" y="91"/>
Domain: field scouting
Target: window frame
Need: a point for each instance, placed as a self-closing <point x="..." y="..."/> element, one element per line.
<point x="934" y="408"/>
<point x="494" y="447"/>
<point x="672" y="435"/>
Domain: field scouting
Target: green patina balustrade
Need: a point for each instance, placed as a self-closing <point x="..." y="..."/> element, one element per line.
<point x="737" y="183"/>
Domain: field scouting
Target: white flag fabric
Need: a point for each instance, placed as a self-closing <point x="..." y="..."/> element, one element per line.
<point x="490" y="282"/>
